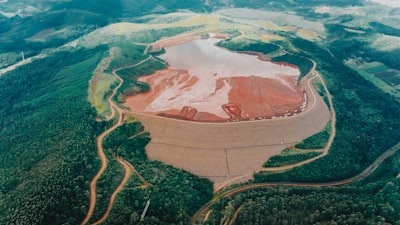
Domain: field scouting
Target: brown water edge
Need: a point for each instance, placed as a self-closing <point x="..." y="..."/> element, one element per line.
<point x="252" y="98"/>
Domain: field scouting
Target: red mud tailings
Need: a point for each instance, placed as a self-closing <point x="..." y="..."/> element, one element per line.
<point x="208" y="83"/>
<point x="265" y="97"/>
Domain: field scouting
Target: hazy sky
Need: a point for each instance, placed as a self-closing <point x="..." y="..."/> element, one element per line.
<point x="392" y="3"/>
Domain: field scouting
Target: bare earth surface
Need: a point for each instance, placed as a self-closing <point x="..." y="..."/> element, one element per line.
<point x="195" y="92"/>
<point x="208" y="83"/>
<point x="223" y="151"/>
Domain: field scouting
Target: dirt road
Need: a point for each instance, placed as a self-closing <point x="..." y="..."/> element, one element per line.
<point x="100" y="152"/>
<point x="368" y="171"/>
<point x="228" y="153"/>
<point x="103" y="159"/>
<point x="127" y="175"/>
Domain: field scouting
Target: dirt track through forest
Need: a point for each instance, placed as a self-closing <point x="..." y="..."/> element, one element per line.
<point x="102" y="156"/>
<point x="325" y="150"/>
<point x="228" y="153"/>
<point x="368" y="171"/>
<point x="100" y="152"/>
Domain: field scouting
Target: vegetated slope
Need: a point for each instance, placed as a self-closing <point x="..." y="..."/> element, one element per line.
<point x="48" y="152"/>
<point x="59" y="23"/>
<point x="175" y="195"/>
<point x="143" y="7"/>
<point x="47" y="140"/>
<point x="366" y="122"/>
<point x="374" y="200"/>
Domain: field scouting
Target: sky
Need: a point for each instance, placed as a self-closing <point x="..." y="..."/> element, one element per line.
<point x="391" y="3"/>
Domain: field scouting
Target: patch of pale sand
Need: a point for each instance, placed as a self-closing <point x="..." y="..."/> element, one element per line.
<point x="269" y="37"/>
<point x="173" y="41"/>
<point x="323" y="9"/>
<point x="307" y="34"/>
<point x="197" y="19"/>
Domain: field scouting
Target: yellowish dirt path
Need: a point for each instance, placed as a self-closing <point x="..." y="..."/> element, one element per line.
<point x="368" y="171"/>
<point x="127" y="175"/>
<point x="100" y="152"/>
<point x="102" y="156"/>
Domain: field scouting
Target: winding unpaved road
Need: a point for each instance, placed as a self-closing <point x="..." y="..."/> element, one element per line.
<point x="325" y="150"/>
<point x="127" y="175"/>
<point x="368" y="171"/>
<point x="100" y="152"/>
<point x="332" y="136"/>
<point x="102" y="156"/>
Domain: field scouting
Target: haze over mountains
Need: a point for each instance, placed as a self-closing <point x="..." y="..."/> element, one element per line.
<point x="66" y="67"/>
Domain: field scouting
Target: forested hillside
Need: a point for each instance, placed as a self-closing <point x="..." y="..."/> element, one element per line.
<point x="48" y="129"/>
<point x="47" y="140"/>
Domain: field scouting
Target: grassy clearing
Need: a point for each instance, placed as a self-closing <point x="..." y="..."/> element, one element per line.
<point x="100" y="86"/>
<point x="99" y="98"/>
<point x="375" y="67"/>
<point x="321" y="91"/>
<point x="126" y="55"/>
<point x="382" y="85"/>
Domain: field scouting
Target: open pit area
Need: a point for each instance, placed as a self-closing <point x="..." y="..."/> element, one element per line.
<point x="207" y="83"/>
<point x="223" y="152"/>
<point x="221" y="114"/>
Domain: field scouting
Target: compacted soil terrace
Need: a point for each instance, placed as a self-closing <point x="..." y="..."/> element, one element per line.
<point x="227" y="151"/>
<point x="197" y="90"/>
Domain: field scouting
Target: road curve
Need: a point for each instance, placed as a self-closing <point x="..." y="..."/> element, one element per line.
<point x="330" y="140"/>
<point x="102" y="156"/>
<point x="325" y="150"/>
<point x="368" y="171"/>
<point x="127" y="175"/>
<point x="100" y="150"/>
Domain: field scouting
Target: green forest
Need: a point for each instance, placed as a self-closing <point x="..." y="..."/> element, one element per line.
<point x="48" y="129"/>
<point x="48" y="152"/>
<point x="374" y="200"/>
<point x="363" y="111"/>
<point x="47" y="140"/>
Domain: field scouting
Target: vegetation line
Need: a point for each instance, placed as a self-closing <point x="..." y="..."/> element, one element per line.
<point x="127" y="175"/>
<point x="100" y="151"/>
<point x="368" y="171"/>
<point x="102" y="156"/>
<point x="325" y="150"/>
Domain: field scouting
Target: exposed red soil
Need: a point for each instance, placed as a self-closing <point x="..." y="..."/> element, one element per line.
<point x="249" y="97"/>
<point x="235" y="98"/>
<point x="264" y="97"/>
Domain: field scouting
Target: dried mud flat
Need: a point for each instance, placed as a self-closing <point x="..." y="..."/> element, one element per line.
<point x="207" y="83"/>
<point x="223" y="151"/>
